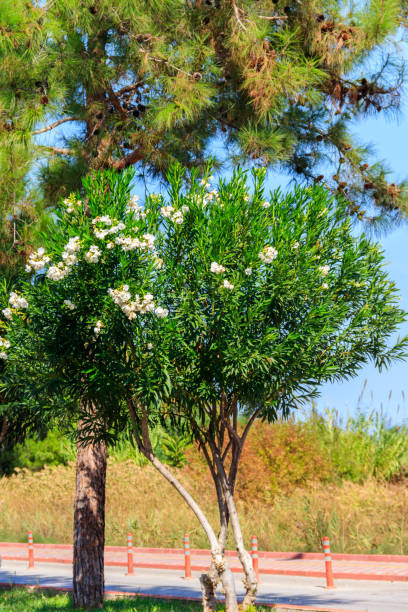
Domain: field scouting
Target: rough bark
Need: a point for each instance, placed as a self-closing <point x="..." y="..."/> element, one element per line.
<point x="89" y="526"/>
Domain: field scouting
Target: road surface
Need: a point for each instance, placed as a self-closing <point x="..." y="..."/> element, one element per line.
<point x="356" y="595"/>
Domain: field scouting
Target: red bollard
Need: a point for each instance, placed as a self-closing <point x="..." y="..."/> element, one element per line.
<point x="254" y="555"/>
<point x="30" y="550"/>
<point x="187" y="557"/>
<point x="130" y="555"/>
<point x="328" y="564"/>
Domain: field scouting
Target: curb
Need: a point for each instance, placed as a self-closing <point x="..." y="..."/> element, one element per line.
<point x="228" y="553"/>
<point x="235" y="570"/>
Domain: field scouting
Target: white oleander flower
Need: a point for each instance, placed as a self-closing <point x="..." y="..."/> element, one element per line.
<point x="104" y="219"/>
<point x="149" y="346"/>
<point x="73" y="245"/>
<point x="128" y="243"/>
<point x="161" y="312"/>
<point x="18" y="301"/>
<point x="92" y="256"/>
<point x="134" y="207"/>
<point x="324" y="270"/>
<point x="148" y="241"/>
<point x="227" y="285"/>
<point x="37" y="261"/>
<point x="295" y="245"/>
<point x="110" y="245"/>
<point x="101" y="234"/>
<point x="217" y="268"/>
<point x="70" y="305"/>
<point x="325" y="286"/>
<point x="166" y="211"/>
<point x="265" y="204"/>
<point x="268" y="254"/>
<point x="8" y="313"/>
<point x="184" y="209"/>
<point x="248" y="271"/>
<point x="70" y="259"/>
<point x="97" y="328"/>
<point x="57" y="273"/>
<point x="3" y="355"/>
<point x="178" y="218"/>
<point x="246" y="198"/>
<point x="4" y="343"/>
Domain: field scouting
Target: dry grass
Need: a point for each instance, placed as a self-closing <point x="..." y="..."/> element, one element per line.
<point x="369" y="517"/>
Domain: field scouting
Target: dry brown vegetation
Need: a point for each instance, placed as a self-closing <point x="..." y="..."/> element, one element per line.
<point x="368" y="517"/>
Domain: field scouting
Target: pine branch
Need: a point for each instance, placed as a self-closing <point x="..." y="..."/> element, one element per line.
<point x="47" y="128"/>
<point x="128" y="160"/>
<point x="129" y="88"/>
<point x="57" y="150"/>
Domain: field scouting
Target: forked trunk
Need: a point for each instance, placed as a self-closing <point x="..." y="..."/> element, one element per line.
<point x="89" y="526"/>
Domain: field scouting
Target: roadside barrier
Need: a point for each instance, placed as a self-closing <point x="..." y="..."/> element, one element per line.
<point x="187" y="557"/>
<point x="328" y="563"/>
<point x="254" y="555"/>
<point x="129" y="555"/>
<point x="30" y="550"/>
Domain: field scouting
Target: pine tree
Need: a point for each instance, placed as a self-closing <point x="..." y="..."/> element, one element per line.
<point x="93" y="84"/>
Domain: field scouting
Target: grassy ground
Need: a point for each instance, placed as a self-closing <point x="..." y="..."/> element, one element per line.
<point x="22" y="600"/>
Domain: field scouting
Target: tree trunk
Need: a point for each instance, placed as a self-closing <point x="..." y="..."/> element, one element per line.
<point x="219" y="565"/>
<point x="89" y="526"/>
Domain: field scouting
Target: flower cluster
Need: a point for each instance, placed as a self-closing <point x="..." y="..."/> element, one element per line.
<point x="248" y="271"/>
<point x="37" y="261"/>
<point x="70" y="305"/>
<point x="129" y="244"/>
<point x="217" y="268"/>
<point x="4" y="344"/>
<point x="57" y="273"/>
<point x="227" y="285"/>
<point x="265" y="204"/>
<point x="93" y="255"/>
<point x="69" y="256"/>
<point x="8" y="313"/>
<point x="71" y="203"/>
<point x="17" y="301"/>
<point x="134" y="207"/>
<point x="176" y="216"/>
<point x="97" y="328"/>
<point x="268" y="254"/>
<point x="107" y="231"/>
<point x="130" y="308"/>
<point x="324" y="270"/>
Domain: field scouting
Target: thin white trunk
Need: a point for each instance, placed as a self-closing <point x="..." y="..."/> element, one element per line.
<point x="250" y="582"/>
<point x="218" y="561"/>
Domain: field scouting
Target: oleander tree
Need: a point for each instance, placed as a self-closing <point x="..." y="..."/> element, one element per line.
<point x="203" y="305"/>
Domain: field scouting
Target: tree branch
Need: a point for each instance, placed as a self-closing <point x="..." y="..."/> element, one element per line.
<point x="57" y="150"/>
<point x="50" y="127"/>
<point x="128" y="160"/>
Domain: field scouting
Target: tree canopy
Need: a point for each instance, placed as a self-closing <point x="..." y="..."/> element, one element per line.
<point x="101" y="84"/>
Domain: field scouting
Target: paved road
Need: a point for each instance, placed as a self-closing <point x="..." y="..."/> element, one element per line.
<point x="367" y="596"/>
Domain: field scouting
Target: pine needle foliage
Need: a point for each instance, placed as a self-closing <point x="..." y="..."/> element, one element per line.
<point x="108" y="84"/>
